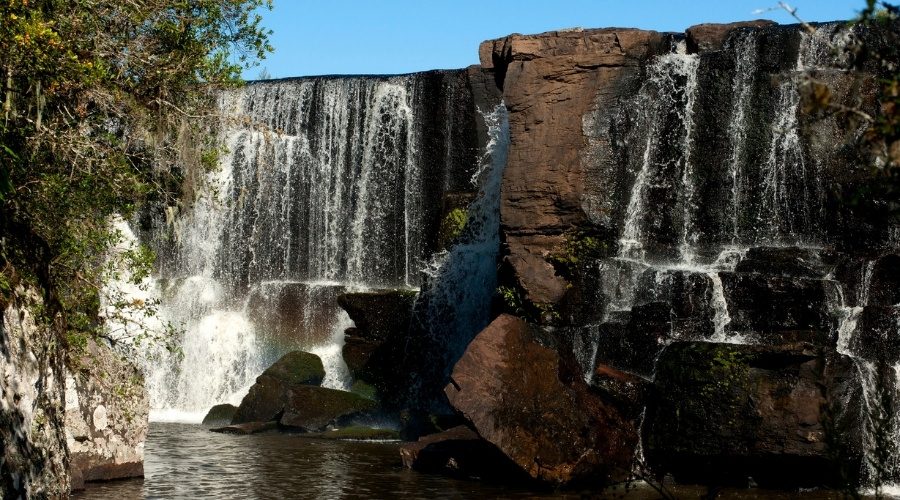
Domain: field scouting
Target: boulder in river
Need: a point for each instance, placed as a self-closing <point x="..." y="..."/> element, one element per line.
<point x="266" y="399"/>
<point x="521" y="397"/>
<point x="220" y="414"/>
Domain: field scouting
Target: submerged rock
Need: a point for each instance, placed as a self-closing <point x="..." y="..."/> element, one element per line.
<point x="357" y="433"/>
<point x="726" y="412"/>
<point x="458" y="452"/>
<point x="247" y="428"/>
<point x="519" y="396"/>
<point x="220" y="415"/>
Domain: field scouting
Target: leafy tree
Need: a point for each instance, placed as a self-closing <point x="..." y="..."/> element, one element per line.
<point x="101" y="110"/>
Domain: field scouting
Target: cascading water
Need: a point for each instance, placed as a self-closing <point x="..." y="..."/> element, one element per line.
<point x="744" y="49"/>
<point x="665" y="104"/>
<point x="880" y="382"/>
<point x="463" y="280"/>
<point x="320" y="190"/>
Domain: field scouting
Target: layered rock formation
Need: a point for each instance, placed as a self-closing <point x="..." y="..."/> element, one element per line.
<point x="107" y="413"/>
<point x="667" y="195"/>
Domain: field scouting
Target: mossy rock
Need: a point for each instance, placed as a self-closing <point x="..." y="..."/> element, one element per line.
<point x="364" y="389"/>
<point x="312" y="409"/>
<point x="297" y="367"/>
<point x="220" y="415"/>
<point x="452" y="225"/>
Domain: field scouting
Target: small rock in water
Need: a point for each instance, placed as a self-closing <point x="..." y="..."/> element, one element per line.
<point x="247" y="428"/>
<point x="220" y="415"/>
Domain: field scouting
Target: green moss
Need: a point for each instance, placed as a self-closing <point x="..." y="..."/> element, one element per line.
<point x="298" y="367"/>
<point x="364" y="389"/>
<point x="512" y="299"/>
<point x="452" y="226"/>
<point x="580" y="247"/>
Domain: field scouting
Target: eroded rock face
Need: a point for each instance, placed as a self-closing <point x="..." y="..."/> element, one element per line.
<point x="726" y="412"/>
<point x="107" y="411"/>
<point x="712" y="36"/>
<point x="33" y="454"/>
<point x="550" y="81"/>
<point x="517" y="397"/>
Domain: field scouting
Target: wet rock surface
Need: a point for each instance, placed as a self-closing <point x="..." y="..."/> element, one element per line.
<point x="725" y="412"/>
<point x="377" y="344"/>
<point x="220" y="415"/>
<point x="459" y="452"/>
<point x="563" y="433"/>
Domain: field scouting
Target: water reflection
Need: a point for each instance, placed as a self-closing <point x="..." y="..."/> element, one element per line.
<point x="188" y="461"/>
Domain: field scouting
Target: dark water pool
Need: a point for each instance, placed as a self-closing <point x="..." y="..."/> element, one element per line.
<point x="188" y="461"/>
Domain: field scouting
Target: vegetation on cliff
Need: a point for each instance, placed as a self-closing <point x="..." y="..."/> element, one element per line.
<point x="99" y="100"/>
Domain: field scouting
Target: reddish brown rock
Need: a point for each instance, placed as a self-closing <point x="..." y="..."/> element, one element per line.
<point x="725" y="412"/>
<point x="458" y="452"/>
<point x="550" y="81"/>
<point x="518" y="396"/>
<point x="711" y="36"/>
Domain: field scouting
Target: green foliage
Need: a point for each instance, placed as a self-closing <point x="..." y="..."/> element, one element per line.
<point x="100" y="99"/>
<point x="580" y="247"/>
<point x="512" y="300"/>
<point x="452" y="226"/>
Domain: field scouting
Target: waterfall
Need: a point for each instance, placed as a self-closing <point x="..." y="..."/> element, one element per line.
<point x="877" y="419"/>
<point x="743" y="44"/>
<point x="463" y="280"/>
<point x="321" y="189"/>
<point x="665" y="107"/>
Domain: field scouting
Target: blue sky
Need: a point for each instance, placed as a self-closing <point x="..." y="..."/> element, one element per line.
<point x="313" y="37"/>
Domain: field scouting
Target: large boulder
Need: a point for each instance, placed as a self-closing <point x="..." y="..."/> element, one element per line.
<point x="311" y="409"/>
<point x="458" y="452"/>
<point x="725" y="412"/>
<point x="297" y="367"/>
<point x="288" y="392"/>
<point x="107" y="411"/>
<point x="220" y="415"/>
<point x="521" y="397"/>
<point x="376" y="345"/>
